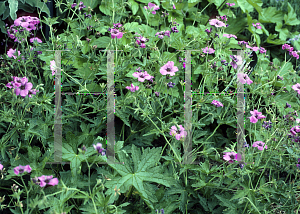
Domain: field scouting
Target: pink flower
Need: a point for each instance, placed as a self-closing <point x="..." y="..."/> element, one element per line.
<point x="174" y="6"/>
<point x="255" y="116"/>
<point x="230" y="4"/>
<point x="24" y="88"/>
<point x="208" y="50"/>
<point x="230" y="156"/>
<point x="142" y="76"/>
<point x="52" y="67"/>
<point x="132" y="88"/>
<point x="217" y="103"/>
<point x="11" y="53"/>
<point x="169" y="68"/>
<point x="45" y="180"/>
<point x="150" y="6"/>
<point x="216" y="23"/>
<point x="20" y="169"/>
<point x="243" y="78"/>
<point x="259" y="145"/>
<point x="178" y="134"/>
<point x="116" y="33"/>
<point x="32" y="91"/>
<point x="229" y="35"/>
<point x="35" y="38"/>
<point x="296" y="88"/>
<point x="1" y="166"/>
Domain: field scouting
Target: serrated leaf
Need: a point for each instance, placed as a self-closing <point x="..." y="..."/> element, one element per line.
<point x="144" y="170"/>
<point x="226" y="202"/>
<point x="69" y="154"/>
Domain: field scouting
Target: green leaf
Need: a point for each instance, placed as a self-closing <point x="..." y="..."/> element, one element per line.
<point x="226" y="202"/>
<point x="143" y="169"/>
<point x="2" y="26"/>
<point x="291" y="18"/>
<point x="2" y="7"/>
<point x="240" y="194"/>
<point x="270" y="15"/>
<point x="25" y="7"/>
<point x="41" y="5"/>
<point x="13" y="8"/>
<point x="134" y="6"/>
<point x="101" y="42"/>
<point x="69" y="154"/>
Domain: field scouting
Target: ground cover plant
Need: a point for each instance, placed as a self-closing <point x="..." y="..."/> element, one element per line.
<point x="149" y="77"/>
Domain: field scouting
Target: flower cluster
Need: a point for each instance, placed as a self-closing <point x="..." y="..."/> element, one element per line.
<point x="233" y="156"/>
<point x="290" y="49"/>
<point x="217" y="103"/>
<point x="116" y="31"/>
<point x="80" y="6"/>
<point x="44" y="180"/>
<point x="230" y="4"/>
<point x="141" y="41"/>
<point x="99" y="149"/>
<point x="243" y="78"/>
<point x="257" y="25"/>
<point x="255" y="116"/>
<point x="161" y="34"/>
<point x="179" y="134"/>
<point x="24" y="23"/>
<point x="22" y="86"/>
<point x="267" y="125"/>
<point x="152" y="7"/>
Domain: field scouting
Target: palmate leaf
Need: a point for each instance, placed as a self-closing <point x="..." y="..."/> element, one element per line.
<point x="136" y="171"/>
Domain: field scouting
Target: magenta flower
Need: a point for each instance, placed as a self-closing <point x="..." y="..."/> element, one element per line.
<point x="24" y="88"/>
<point x="35" y="38"/>
<point x="150" y="6"/>
<point x="230" y="4"/>
<point x="230" y="156"/>
<point x="116" y="33"/>
<point x="296" y="88"/>
<point x="252" y="48"/>
<point x="217" y="103"/>
<point x="243" y="78"/>
<point x="99" y="148"/>
<point x="20" y="169"/>
<point x="168" y="68"/>
<point x="216" y="23"/>
<point x="132" y="88"/>
<point x="259" y="145"/>
<point x="257" y="25"/>
<point x="295" y="129"/>
<point x="142" y="76"/>
<point x="229" y="35"/>
<point x="73" y="5"/>
<point x="286" y="46"/>
<point x="208" y="50"/>
<point x="294" y="53"/>
<point x="1" y="166"/>
<point x="45" y="180"/>
<point x="262" y="50"/>
<point x="32" y="91"/>
<point x="81" y="6"/>
<point x="174" y="6"/>
<point x="255" y="116"/>
<point x="11" y="53"/>
<point x="52" y="67"/>
<point x="178" y="134"/>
